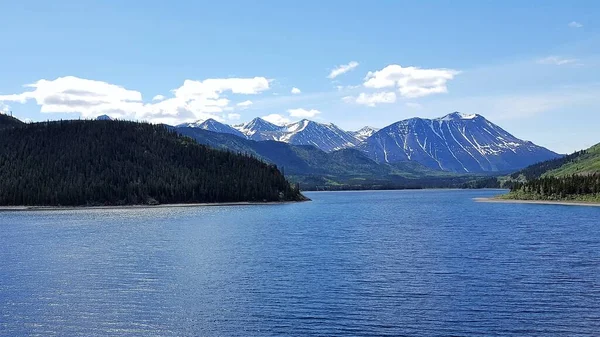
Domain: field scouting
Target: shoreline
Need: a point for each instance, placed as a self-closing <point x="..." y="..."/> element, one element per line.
<point x="84" y="208"/>
<point x="538" y="202"/>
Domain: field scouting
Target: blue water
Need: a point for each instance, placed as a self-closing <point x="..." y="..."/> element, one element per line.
<point x="415" y="263"/>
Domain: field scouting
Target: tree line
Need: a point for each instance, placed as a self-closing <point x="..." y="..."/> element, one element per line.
<point x="560" y="187"/>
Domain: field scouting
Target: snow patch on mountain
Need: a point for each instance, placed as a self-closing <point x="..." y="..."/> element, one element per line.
<point x="364" y="133"/>
<point x="214" y="126"/>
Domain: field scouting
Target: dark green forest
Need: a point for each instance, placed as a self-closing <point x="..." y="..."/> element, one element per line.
<point x="576" y="187"/>
<point x="73" y="163"/>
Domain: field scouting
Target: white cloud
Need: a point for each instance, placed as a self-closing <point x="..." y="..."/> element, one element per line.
<point x="414" y="105"/>
<point x="72" y="94"/>
<point x="411" y="81"/>
<point x="342" y="69"/>
<point x="303" y="113"/>
<point x="4" y="108"/>
<point x="373" y="99"/>
<point x="296" y="91"/>
<point x="192" y="101"/>
<point x="158" y="98"/>
<point x="276" y="119"/>
<point x="556" y="60"/>
<point x="245" y="103"/>
<point x="234" y="116"/>
<point x="575" y="24"/>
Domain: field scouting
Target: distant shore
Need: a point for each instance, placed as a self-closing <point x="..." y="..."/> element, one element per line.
<point x="80" y="208"/>
<point x="538" y="202"/>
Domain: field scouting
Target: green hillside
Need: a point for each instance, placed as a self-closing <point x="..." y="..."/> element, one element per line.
<point x="586" y="163"/>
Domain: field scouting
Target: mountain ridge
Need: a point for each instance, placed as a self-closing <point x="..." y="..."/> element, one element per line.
<point x="456" y="142"/>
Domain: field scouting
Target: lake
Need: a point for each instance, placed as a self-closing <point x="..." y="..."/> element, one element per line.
<point x="426" y="263"/>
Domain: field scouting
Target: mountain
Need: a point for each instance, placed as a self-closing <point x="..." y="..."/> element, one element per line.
<point x="327" y="137"/>
<point x="297" y="160"/>
<point x="82" y="162"/>
<point x="341" y="169"/>
<point x="104" y="118"/>
<point x="214" y="126"/>
<point x="364" y="133"/>
<point x="260" y="129"/>
<point x="456" y="142"/>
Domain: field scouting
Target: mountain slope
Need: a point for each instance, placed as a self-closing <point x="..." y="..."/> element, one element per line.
<point x="117" y="162"/>
<point x="327" y="137"/>
<point x="455" y="142"/>
<point x="260" y="129"/>
<point x="537" y="170"/>
<point x="364" y="133"/>
<point x="214" y="126"/>
<point x="588" y="162"/>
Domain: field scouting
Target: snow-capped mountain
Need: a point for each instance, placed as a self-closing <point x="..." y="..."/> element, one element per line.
<point x="260" y="129"/>
<point x="364" y="133"/>
<point x="456" y="142"/>
<point x="327" y="137"/>
<point x="214" y="126"/>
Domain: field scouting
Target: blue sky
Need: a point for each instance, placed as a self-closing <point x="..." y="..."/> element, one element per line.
<point x="532" y="67"/>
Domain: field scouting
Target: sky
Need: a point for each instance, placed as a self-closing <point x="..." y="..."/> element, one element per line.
<point x="532" y="67"/>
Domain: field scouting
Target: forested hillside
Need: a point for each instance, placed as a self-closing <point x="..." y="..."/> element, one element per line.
<point x="121" y="163"/>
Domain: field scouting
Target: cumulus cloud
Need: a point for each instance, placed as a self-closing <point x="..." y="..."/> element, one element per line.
<point x="342" y="69"/>
<point x="192" y="101"/>
<point x="245" y="103"/>
<point x="276" y="119"/>
<point x="372" y="99"/>
<point x="72" y="94"/>
<point x="411" y="82"/>
<point x="303" y="113"/>
<point x="556" y="60"/>
<point x="575" y="24"/>
<point x="296" y="91"/>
